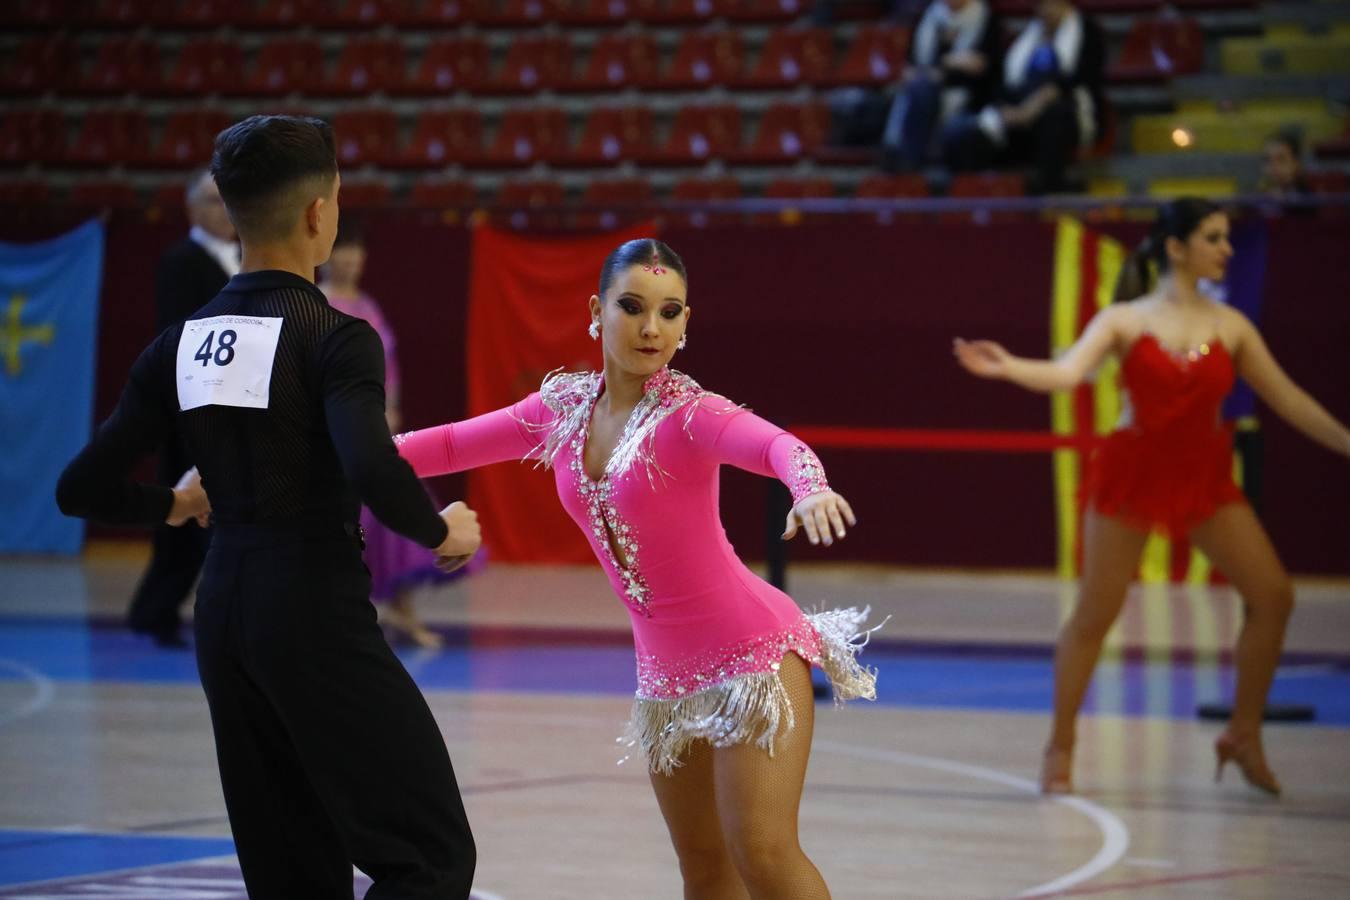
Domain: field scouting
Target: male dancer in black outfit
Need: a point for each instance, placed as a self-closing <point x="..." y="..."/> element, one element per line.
<point x="190" y="274"/>
<point x="328" y="753"/>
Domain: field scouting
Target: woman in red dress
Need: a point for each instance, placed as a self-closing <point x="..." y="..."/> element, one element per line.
<point x="1168" y="466"/>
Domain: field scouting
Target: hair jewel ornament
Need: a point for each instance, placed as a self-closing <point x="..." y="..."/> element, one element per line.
<point x="654" y="266"/>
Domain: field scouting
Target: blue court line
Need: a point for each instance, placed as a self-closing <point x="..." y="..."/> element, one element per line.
<point x="40" y="855"/>
<point x="73" y="651"/>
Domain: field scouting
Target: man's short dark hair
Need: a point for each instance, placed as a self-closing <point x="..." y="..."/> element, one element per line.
<point x="269" y="167"/>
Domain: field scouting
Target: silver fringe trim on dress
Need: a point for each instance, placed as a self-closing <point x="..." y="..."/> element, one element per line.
<point x="753" y="708"/>
<point x="571" y="397"/>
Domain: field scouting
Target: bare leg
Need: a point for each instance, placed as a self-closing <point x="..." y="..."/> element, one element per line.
<point x="758" y="797"/>
<point x="1237" y="544"/>
<point x="688" y="802"/>
<point x="402" y="615"/>
<point x="1111" y="552"/>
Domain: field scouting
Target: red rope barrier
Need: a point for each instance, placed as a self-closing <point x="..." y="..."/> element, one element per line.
<point x="843" y="438"/>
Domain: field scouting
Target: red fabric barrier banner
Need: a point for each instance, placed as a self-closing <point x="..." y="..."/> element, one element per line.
<point x="527" y="317"/>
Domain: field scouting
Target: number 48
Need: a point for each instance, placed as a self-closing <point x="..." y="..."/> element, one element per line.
<point x="224" y="353"/>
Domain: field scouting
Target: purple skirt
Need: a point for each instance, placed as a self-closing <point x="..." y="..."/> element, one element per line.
<point x="397" y="564"/>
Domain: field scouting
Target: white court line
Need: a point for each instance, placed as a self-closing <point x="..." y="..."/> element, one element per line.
<point x="44" y="691"/>
<point x="1115" y="836"/>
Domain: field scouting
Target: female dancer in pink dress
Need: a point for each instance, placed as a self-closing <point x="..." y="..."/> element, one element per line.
<point x="396" y="564"/>
<point x="1169" y="466"/>
<point x="723" y="714"/>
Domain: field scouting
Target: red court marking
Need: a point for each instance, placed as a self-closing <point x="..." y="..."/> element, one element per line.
<point x="1221" y="875"/>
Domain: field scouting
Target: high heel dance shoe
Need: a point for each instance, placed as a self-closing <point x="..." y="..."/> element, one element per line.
<point x="1057" y="771"/>
<point x="1250" y="760"/>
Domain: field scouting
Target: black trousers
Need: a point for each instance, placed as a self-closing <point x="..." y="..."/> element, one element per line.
<point x="329" y="756"/>
<point x="175" y="560"/>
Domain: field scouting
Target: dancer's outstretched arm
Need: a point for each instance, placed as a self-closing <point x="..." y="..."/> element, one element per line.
<point x="513" y="433"/>
<point x="1258" y="367"/>
<point x="989" y="360"/>
<point x="737" y="437"/>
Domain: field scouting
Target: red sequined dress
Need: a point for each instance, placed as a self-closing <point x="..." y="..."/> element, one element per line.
<point x="1169" y="463"/>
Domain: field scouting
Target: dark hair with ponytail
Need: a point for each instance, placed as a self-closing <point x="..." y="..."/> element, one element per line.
<point x="639" y="252"/>
<point x="1178" y="219"/>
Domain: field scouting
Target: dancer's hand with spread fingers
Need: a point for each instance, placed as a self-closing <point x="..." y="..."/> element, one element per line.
<point x="817" y="515"/>
<point x="986" y="359"/>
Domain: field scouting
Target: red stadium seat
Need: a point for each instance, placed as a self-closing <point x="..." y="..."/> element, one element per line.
<point x="365" y="66"/>
<point x="527" y="136"/>
<point x="619" y="61"/>
<point x="170" y="196"/>
<point x="679" y="12"/>
<point x="624" y="194"/>
<point x="103" y="195"/>
<point x="36" y="13"/>
<point x="284" y="14"/>
<point x="188" y="139"/>
<point x="704" y="59"/>
<point x="365" y="136"/>
<point x="614" y="135"/>
<point x="702" y="190"/>
<point x="285" y="66"/>
<point x="123" y="13"/>
<point x="513" y="13"/>
<point x="205" y="66"/>
<point x="877" y="56"/>
<point x="788" y="132"/>
<point x="594" y="13"/>
<point x="211" y="14"/>
<point x="533" y="63"/>
<point x="892" y="187"/>
<point x="431" y="14"/>
<point x="20" y="195"/>
<point x="766" y="10"/>
<point x="363" y="194"/>
<point x="530" y="204"/>
<point x="450" y="64"/>
<point x="442" y="138"/>
<point x="792" y="189"/>
<point x="790" y="57"/>
<point x="1160" y="49"/>
<point x="356" y="13"/>
<point x="443" y="194"/>
<point x="109" y="137"/>
<point x="40" y="64"/>
<point x="986" y="184"/>
<point x="32" y="136"/>
<point x="123" y="65"/>
<point x="699" y="134"/>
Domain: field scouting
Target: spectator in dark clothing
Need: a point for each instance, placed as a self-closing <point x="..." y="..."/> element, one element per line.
<point x="952" y="71"/>
<point x="1050" y="104"/>
<point x="1282" y="167"/>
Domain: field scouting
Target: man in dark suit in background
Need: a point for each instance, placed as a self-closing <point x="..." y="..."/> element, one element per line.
<point x="191" y="273"/>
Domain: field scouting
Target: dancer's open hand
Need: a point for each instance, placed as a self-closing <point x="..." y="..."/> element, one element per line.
<point x="983" y="358"/>
<point x="464" y="535"/>
<point x="817" y="515"/>
<point x="189" y="501"/>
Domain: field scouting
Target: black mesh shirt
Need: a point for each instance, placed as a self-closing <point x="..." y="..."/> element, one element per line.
<point x="318" y="450"/>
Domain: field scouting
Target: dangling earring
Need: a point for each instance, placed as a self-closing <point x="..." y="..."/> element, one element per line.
<point x="594" y="330"/>
<point x="684" y="341"/>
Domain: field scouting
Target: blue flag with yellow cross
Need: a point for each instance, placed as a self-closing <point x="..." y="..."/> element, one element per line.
<point x="48" y="316"/>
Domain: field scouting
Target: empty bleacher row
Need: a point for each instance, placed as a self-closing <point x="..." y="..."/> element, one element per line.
<point x="110" y="94"/>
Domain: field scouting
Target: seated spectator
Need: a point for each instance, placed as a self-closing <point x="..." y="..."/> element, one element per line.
<point x="952" y="71"/>
<point x="1049" y="105"/>
<point x="1282" y="166"/>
